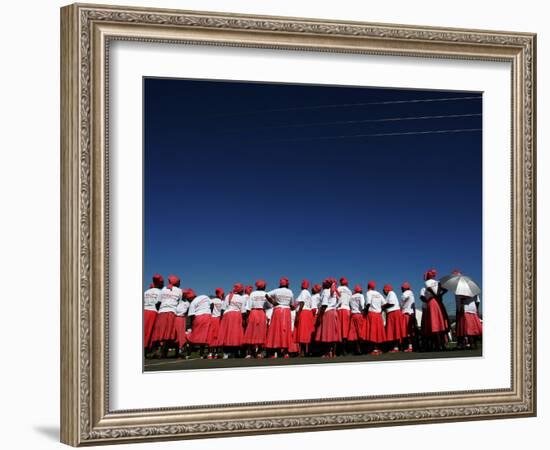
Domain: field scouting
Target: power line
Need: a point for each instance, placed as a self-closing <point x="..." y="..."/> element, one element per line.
<point x="405" y="133"/>
<point x="345" y="105"/>
<point x="347" y="122"/>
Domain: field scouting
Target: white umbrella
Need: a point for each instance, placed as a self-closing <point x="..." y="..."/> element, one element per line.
<point x="460" y="285"/>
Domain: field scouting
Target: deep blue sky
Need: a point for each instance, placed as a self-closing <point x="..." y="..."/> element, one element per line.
<point x="239" y="184"/>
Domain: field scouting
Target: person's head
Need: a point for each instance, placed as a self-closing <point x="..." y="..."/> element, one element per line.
<point x="343" y="281"/>
<point x="283" y="282"/>
<point x="220" y="293"/>
<point x="405" y="286"/>
<point x="173" y="280"/>
<point x="456" y="272"/>
<point x="430" y="274"/>
<point x="358" y="289"/>
<point x="190" y="294"/>
<point x="238" y="288"/>
<point x="261" y="285"/>
<point x="327" y="283"/>
<point x="387" y="288"/>
<point x="371" y="285"/>
<point x="158" y="281"/>
<point x="316" y="288"/>
<point x="305" y="284"/>
<point x="248" y="290"/>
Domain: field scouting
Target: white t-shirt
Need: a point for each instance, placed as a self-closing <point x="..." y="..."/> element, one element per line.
<point x="217" y="309"/>
<point x="282" y="296"/>
<point x="257" y="300"/>
<point x="236" y="303"/>
<point x="407" y="302"/>
<point x="305" y="296"/>
<point x="391" y="299"/>
<point x="150" y="298"/>
<point x="357" y="303"/>
<point x="200" y="305"/>
<point x="328" y="300"/>
<point x="434" y="285"/>
<point x="182" y="308"/>
<point x="169" y="299"/>
<point x="315" y="301"/>
<point x="345" y="296"/>
<point x="470" y="303"/>
<point x="375" y="299"/>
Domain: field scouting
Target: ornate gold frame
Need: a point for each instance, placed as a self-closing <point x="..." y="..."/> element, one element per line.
<point x="86" y="31"/>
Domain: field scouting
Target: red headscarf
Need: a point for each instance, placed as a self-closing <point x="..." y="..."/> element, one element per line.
<point x="158" y="281"/>
<point x="456" y="272"/>
<point x="190" y="294"/>
<point x="305" y="284"/>
<point x="173" y="280"/>
<point x="388" y="287"/>
<point x="316" y="288"/>
<point x="248" y="290"/>
<point x="220" y="293"/>
<point x="261" y="284"/>
<point x="343" y="281"/>
<point x="238" y="288"/>
<point x="357" y="289"/>
<point x="283" y="282"/>
<point x="405" y="285"/>
<point x="371" y="285"/>
<point x="430" y="274"/>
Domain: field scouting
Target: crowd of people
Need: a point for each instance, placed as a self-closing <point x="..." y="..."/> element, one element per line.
<point x="327" y="320"/>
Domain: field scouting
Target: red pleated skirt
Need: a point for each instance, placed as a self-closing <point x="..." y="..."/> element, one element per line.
<point x="180" y="330"/>
<point x="149" y="318"/>
<point x="374" y="328"/>
<point x="435" y="321"/>
<point x="329" y="329"/>
<point x="164" y="330"/>
<point x="344" y="316"/>
<point x="468" y="324"/>
<point x="256" y="328"/>
<point x="395" y="326"/>
<point x="356" y="327"/>
<point x="231" y="329"/>
<point x="279" y="332"/>
<point x="199" y="330"/>
<point x="409" y="324"/>
<point x="305" y="326"/>
<point x="213" y="332"/>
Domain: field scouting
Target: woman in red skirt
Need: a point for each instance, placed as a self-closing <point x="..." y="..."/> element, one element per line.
<point x="409" y="315"/>
<point x="180" y="324"/>
<point x="344" y="313"/>
<point x="214" y="329"/>
<point x="151" y="298"/>
<point x="279" y="333"/>
<point x="357" y="307"/>
<point x="328" y="328"/>
<point x="375" y="334"/>
<point x="395" y="325"/>
<point x="256" y="327"/>
<point x="468" y="324"/>
<point x="164" y="333"/>
<point x="304" y="319"/>
<point x="436" y="318"/>
<point x="231" y="328"/>
<point x="200" y="311"/>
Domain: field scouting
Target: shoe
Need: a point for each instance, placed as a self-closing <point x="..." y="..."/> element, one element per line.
<point x="408" y="350"/>
<point x="375" y="352"/>
<point x="247" y="357"/>
<point x="209" y="357"/>
<point x="225" y="356"/>
<point x="394" y="350"/>
<point x="273" y="357"/>
<point x="286" y="356"/>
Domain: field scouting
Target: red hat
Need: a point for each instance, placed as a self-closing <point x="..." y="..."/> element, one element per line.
<point x="283" y="282"/>
<point x="430" y="274"/>
<point x="357" y="288"/>
<point x="190" y="294"/>
<point x="405" y="285"/>
<point x="316" y="288"/>
<point x="388" y="287"/>
<point x="371" y="285"/>
<point x="173" y="280"/>
<point x="248" y="290"/>
<point x="344" y="281"/>
<point x="219" y="293"/>
<point x="456" y="272"/>
<point x="158" y="281"/>
<point x="305" y="284"/>
<point x="261" y="284"/>
<point x="238" y="288"/>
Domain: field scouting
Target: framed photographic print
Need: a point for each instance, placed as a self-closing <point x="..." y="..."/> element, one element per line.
<point x="274" y="220"/>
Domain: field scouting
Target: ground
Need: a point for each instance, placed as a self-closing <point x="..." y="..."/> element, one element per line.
<point x="197" y="363"/>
